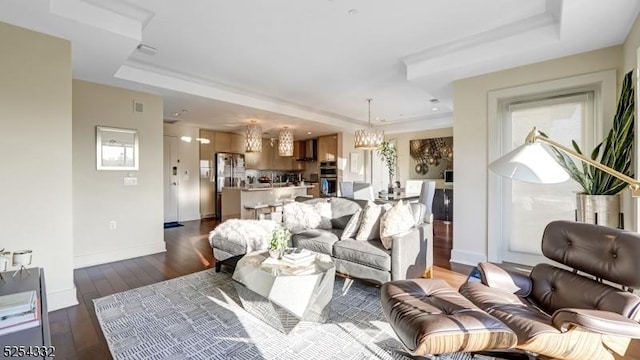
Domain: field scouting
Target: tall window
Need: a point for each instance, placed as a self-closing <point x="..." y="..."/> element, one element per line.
<point x="530" y="207"/>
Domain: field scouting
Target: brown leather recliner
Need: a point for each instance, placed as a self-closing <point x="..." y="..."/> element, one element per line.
<point x="588" y="312"/>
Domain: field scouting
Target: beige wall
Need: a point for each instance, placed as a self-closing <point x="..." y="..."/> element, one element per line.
<point x="189" y="170"/>
<point x="630" y="48"/>
<point x="470" y="139"/>
<point x="100" y="196"/>
<point x="36" y="211"/>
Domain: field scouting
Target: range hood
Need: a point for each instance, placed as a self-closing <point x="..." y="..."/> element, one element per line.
<point x="307" y="150"/>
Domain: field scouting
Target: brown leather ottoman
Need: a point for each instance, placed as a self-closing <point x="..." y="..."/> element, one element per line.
<point x="430" y="317"/>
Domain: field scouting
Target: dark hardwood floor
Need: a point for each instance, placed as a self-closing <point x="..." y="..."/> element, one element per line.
<point x="75" y="331"/>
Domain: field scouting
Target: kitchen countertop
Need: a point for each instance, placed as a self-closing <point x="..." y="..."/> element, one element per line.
<point x="265" y="187"/>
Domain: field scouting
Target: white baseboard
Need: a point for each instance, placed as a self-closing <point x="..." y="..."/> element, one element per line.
<point x="80" y="261"/>
<point x="190" y="218"/>
<point x="467" y="258"/>
<point x="61" y="299"/>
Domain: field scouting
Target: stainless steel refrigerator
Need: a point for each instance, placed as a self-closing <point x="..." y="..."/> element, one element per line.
<point x="229" y="172"/>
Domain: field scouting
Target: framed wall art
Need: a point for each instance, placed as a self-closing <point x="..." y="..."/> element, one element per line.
<point x="429" y="158"/>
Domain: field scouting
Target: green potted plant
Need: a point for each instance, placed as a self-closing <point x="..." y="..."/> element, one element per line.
<point x="388" y="154"/>
<point x="279" y="242"/>
<point x="600" y="190"/>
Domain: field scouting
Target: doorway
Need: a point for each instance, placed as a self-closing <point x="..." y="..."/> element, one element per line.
<point x="171" y="183"/>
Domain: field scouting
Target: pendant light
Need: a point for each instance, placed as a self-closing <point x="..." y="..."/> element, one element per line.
<point x="369" y="138"/>
<point x="285" y="142"/>
<point x="253" y="138"/>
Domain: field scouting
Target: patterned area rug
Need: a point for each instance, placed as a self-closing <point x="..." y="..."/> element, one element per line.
<point x="198" y="316"/>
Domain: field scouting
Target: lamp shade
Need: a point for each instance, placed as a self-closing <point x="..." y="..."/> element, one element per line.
<point x="253" y="138"/>
<point x="368" y="139"/>
<point x="285" y="142"/>
<point x="530" y="163"/>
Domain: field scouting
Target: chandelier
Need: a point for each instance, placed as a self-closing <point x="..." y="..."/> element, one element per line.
<point x="253" y="138"/>
<point x="369" y="138"/>
<point x="285" y="142"/>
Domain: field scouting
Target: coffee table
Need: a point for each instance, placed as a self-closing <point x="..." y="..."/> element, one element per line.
<point x="281" y="295"/>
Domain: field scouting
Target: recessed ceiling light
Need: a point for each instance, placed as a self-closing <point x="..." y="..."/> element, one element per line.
<point x="434" y="109"/>
<point x="352" y="12"/>
<point x="186" y="138"/>
<point x="308" y="132"/>
<point x="378" y="118"/>
<point x="176" y="114"/>
<point x="434" y="101"/>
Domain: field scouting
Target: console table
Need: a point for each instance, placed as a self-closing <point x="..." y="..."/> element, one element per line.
<point x="38" y="336"/>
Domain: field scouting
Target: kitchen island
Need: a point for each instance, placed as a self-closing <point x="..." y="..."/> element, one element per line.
<point x="248" y="202"/>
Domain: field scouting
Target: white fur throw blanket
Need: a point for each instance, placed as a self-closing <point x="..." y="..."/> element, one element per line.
<point x="251" y="235"/>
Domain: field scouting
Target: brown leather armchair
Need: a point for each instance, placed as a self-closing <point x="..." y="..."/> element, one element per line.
<point x="589" y="312"/>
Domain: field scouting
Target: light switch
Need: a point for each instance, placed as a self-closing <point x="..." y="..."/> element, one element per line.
<point x="130" y="181"/>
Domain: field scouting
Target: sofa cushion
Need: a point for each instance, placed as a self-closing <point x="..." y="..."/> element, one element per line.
<point x="351" y="230"/>
<point x="318" y="240"/>
<point x="394" y="221"/>
<point x="370" y="253"/>
<point x="370" y="222"/>
<point x="342" y="210"/>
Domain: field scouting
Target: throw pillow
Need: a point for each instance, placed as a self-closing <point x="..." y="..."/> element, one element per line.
<point x="370" y="222"/>
<point x="324" y="209"/>
<point x="396" y="220"/>
<point x="351" y="229"/>
<point x="299" y="216"/>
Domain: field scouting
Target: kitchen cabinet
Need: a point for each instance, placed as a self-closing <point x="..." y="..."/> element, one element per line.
<point x="237" y="143"/>
<point x="328" y="148"/>
<point x="262" y="160"/>
<point x="228" y="142"/>
<point x="298" y="150"/>
<point x="280" y="162"/>
<point x="207" y="151"/>
<point x="222" y="142"/>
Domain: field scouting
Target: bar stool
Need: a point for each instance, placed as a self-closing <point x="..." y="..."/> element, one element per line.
<point x="256" y="208"/>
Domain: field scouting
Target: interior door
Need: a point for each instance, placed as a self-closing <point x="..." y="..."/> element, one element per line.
<point x="171" y="183"/>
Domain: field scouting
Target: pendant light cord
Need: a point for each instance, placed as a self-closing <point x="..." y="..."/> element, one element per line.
<point x="369" y="100"/>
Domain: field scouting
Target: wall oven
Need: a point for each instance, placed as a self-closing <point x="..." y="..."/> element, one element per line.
<point x="328" y="169"/>
<point x="328" y="186"/>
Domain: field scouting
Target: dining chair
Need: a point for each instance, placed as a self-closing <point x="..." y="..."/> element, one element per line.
<point x="362" y="191"/>
<point x="427" y="192"/>
<point x="346" y="189"/>
<point x="413" y="186"/>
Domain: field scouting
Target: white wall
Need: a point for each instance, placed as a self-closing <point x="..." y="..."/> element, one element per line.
<point x="189" y="170"/>
<point x="470" y="140"/>
<point x="100" y="196"/>
<point x="36" y="210"/>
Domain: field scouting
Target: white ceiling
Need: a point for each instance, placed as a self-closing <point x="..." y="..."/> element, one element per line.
<point x="311" y="64"/>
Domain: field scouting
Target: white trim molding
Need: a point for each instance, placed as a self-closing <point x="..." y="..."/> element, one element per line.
<point x="604" y="85"/>
<point x="61" y="299"/>
<point x="85" y="260"/>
